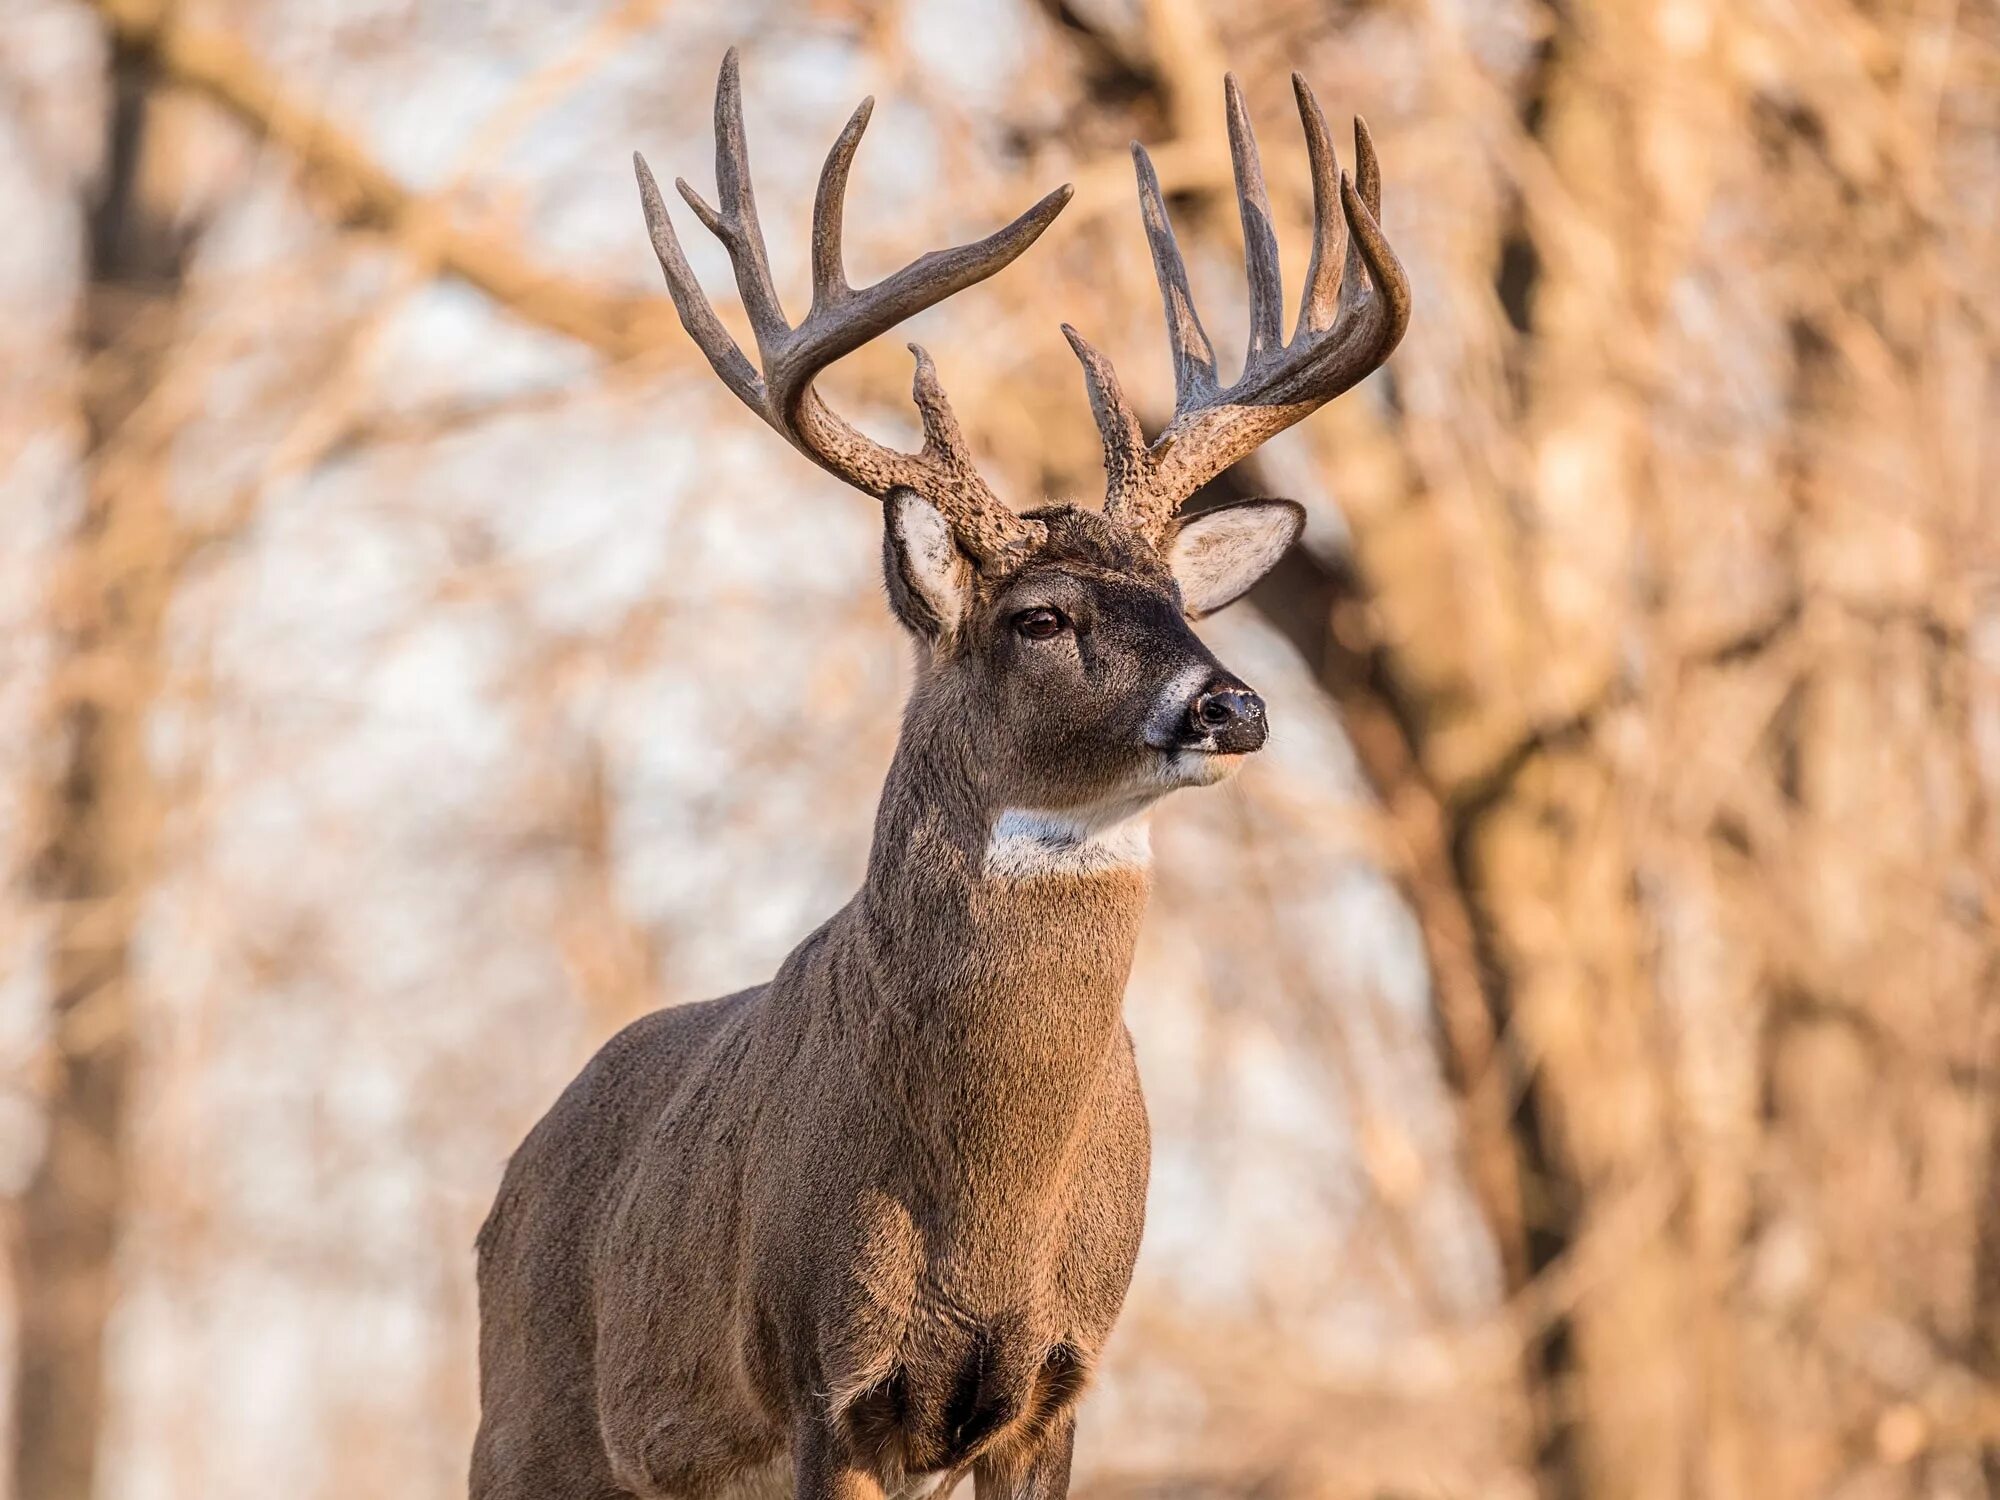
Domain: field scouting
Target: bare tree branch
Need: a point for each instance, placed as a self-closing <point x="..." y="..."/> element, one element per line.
<point x="361" y="193"/>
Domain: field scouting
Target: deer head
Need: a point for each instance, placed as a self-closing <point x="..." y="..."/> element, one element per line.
<point x="1060" y="638"/>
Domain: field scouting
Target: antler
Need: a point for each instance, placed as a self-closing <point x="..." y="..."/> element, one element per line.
<point x="840" y="321"/>
<point x="1348" y="324"/>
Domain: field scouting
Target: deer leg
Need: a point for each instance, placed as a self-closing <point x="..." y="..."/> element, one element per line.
<point x="1045" y="1478"/>
<point x="824" y="1467"/>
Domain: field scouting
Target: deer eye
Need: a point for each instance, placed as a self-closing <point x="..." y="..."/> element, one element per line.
<point x="1040" y="624"/>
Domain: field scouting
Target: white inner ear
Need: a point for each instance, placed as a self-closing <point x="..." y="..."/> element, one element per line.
<point x="932" y="562"/>
<point x="1218" y="555"/>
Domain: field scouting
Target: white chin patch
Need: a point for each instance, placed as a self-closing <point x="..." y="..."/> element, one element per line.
<point x="1029" y="844"/>
<point x="1198" y="768"/>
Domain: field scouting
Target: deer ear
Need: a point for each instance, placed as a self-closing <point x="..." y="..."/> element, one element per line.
<point x="1219" y="553"/>
<point x="930" y="580"/>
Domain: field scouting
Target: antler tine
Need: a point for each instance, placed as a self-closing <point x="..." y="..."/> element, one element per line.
<point x="1390" y="284"/>
<point x="697" y="316"/>
<point x="1368" y="182"/>
<point x="1352" y="313"/>
<point x="1194" y="356"/>
<point x="1321" y="296"/>
<point x="1260" y="240"/>
<point x="829" y="270"/>
<point x="1367" y="170"/>
<point x="1127" y="467"/>
<point x="736" y="226"/>
<point x="779" y="388"/>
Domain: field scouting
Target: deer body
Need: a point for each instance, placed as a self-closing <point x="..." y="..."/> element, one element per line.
<point x="930" y="1217"/>
<point x="874" y="1220"/>
<point x="937" y="1204"/>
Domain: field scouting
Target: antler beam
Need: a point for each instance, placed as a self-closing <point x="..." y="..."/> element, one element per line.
<point x="779" y="387"/>
<point x="1352" y="313"/>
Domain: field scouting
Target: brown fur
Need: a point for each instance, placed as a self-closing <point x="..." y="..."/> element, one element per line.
<point x="874" y="1219"/>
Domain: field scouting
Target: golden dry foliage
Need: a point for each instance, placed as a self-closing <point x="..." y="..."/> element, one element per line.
<point x="1654" y="582"/>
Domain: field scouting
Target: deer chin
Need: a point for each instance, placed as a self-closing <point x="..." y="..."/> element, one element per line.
<point x="1197" y="767"/>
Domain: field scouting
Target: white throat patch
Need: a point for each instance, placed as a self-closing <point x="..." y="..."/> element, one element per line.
<point x="1027" y="844"/>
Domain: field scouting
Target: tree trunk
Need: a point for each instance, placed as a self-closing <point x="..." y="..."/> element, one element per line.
<point x="1708" y="771"/>
<point x="98" y="813"/>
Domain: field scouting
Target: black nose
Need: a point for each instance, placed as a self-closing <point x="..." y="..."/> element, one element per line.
<point x="1230" y="716"/>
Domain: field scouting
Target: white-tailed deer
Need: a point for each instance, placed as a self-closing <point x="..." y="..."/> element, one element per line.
<point x="872" y="1221"/>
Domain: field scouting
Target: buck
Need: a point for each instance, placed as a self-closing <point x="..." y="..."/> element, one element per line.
<point x="868" y="1225"/>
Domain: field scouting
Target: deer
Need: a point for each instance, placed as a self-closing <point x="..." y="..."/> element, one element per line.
<point x="864" y="1229"/>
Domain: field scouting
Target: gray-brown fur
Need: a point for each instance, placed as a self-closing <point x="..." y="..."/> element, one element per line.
<point x="874" y="1220"/>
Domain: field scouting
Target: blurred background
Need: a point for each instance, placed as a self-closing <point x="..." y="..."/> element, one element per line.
<point x="1572" y="1048"/>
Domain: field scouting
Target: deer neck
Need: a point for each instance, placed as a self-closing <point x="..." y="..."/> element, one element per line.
<point x="997" y="940"/>
<point x="955" y="869"/>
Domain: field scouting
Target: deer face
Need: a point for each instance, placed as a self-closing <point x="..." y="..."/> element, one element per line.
<point x="1076" y="672"/>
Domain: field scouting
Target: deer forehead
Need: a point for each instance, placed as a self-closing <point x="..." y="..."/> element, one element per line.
<point x="1084" y="539"/>
<point x="1086" y="557"/>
